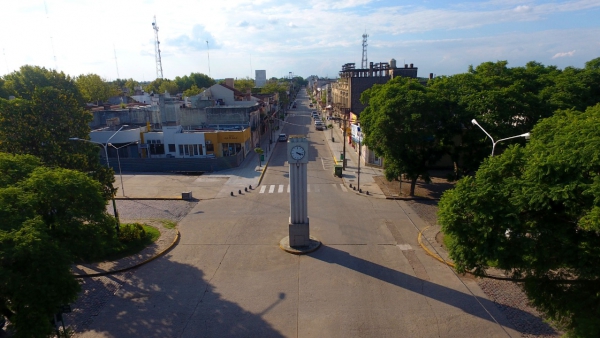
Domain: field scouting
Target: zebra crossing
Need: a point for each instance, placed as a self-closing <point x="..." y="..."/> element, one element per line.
<point x="285" y="188"/>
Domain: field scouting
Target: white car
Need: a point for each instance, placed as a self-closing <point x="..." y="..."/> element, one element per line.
<point x="282" y="138"/>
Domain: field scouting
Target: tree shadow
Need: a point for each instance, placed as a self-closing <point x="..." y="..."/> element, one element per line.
<point x="163" y="299"/>
<point x="473" y="305"/>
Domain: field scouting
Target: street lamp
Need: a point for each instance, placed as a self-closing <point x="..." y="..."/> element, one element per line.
<point x="119" y="161"/>
<point x="105" y="145"/>
<point x="526" y="135"/>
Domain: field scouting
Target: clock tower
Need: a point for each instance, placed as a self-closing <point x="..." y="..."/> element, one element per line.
<point x="299" y="240"/>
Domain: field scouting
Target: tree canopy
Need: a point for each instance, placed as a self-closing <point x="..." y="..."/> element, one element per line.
<point x="23" y="83"/>
<point x="93" y="88"/>
<point x="508" y="102"/>
<point x="402" y="123"/>
<point x="50" y="217"/>
<point x="41" y="120"/>
<point x="243" y="85"/>
<point x="535" y="213"/>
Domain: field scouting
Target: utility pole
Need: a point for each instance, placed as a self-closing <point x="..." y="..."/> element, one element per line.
<point x="344" y="141"/>
<point x="364" y="52"/>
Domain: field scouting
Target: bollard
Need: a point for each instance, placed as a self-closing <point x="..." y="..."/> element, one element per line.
<point x="354" y="188"/>
<point x="360" y="191"/>
<point x="367" y="192"/>
<point x="246" y="189"/>
<point x="240" y="191"/>
<point x="232" y="193"/>
<point x="250" y="186"/>
<point x="350" y="185"/>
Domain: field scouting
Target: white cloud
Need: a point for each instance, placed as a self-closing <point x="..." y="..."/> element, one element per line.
<point x="522" y="9"/>
<point x="564" y="54"/>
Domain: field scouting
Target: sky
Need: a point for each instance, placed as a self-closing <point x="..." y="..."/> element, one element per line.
<point x="233" y="38"/>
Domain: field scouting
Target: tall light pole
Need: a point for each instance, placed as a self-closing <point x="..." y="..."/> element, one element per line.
<point x="119" y="161"/>
<point x="105" y="146"/>
<point x="526" y="135"/>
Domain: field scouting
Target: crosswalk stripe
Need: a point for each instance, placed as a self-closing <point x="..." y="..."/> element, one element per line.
<point x="308" y="187"/>
<point x="262" y="189"/>
<point x="280" y="190"/>
<point x="343" y="188"/>
<point x="288" y="189"/>
<point x="271" y="189"/>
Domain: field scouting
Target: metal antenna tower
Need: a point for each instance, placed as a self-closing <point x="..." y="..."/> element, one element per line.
<point x="364" y="55"/>
<point x="51" y="41"/>
<point x="116" y="63"/>
<point x="159" y="71"/>
<point x="208" y="55"/>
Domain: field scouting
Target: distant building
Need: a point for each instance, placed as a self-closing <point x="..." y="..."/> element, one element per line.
<point x="260" y="78"/>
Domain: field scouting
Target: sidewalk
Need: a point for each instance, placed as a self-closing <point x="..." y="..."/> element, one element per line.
<point x="351" y="176"/>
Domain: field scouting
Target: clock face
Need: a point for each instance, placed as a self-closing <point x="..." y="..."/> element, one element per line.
<point x="297" y="153"/>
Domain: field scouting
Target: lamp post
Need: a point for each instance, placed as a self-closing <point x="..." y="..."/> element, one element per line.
<point x="119" y="161"/>
<point x="105" y="145"/>
<point x="526" y="135"/>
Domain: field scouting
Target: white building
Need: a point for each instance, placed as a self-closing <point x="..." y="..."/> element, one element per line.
<point x="260" y="78"/>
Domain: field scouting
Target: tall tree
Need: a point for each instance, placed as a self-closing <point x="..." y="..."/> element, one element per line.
<point x="50" y="217"/>
<point x="23" y="83"/>
<point x="93" y="88"/>
<point x="403" y="123"/>
<point x="243" y="85"/>
<point x="534" y="212"/>
<point x="42" y="127"/>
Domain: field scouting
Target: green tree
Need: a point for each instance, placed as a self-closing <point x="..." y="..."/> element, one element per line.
<point x="275" y="87"/>
<point x="23" y="83"/>
<point x="192" y="91"/>
<point x="168" y="87"/>
<point x="200" y="80"/>
<point x="131" y="84"/>
<point x="402" y="124"/>
<point x="243" y="85"/>
<point x="93" y="88"/>
<point x="42" y="126"/>
<point x="50" y="217"/>
<point x="535" y="213"/>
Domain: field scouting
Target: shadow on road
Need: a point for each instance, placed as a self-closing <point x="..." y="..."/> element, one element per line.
<point x="163" y="299"/>
<point x="468" y="303"/>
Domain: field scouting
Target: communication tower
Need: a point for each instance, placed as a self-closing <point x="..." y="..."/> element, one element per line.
<point x="364" y="55"/>
<point x="159" y="71"/>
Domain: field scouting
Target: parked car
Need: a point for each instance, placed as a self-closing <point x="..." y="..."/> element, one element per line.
<point x="282" y="138"/>
<point x="319" y="125"/>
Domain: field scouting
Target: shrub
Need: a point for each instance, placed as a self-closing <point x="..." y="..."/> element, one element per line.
<point x="132" y="232"/>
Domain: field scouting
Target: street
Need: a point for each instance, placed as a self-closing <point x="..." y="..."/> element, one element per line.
<point x="228" y="277"/>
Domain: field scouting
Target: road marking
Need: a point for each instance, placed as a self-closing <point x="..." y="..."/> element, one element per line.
<point x="262" y="189"/>
<point x="343" y="188"/>
<point x="280" y="190"/>
<point x="288" y="189"/>
<point x="308" y="187"/>
<point x="404" y="247"/>
<point x="271" y="189"/>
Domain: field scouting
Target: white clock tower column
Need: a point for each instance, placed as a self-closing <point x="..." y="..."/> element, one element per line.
<point x="299" y="240"/>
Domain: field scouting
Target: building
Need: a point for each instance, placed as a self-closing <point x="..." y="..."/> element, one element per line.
<point x="260" y="78"/>
<point x="346" y="92"/>
<point x="220" y="124"/>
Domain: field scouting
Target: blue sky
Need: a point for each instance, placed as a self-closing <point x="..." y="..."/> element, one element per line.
<point x="306" y="37"/>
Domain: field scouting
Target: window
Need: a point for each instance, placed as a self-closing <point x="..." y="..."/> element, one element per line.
<point x="210" y="147"/>
<point x="171" y="148"/>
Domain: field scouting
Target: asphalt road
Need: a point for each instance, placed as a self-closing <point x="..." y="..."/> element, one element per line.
<point x="228" y="277"/>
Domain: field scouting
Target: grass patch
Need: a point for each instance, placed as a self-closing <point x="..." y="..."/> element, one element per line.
<point x="132" y="240"/>
<point x="168" y="224"/>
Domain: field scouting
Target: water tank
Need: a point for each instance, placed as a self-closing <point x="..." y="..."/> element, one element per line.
<point x="393" y="63"/>
<point x="411" y="65"/>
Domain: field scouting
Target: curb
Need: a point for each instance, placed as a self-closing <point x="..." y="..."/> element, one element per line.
<point x="175" y="241"/>
<point x="436" y="256"/>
